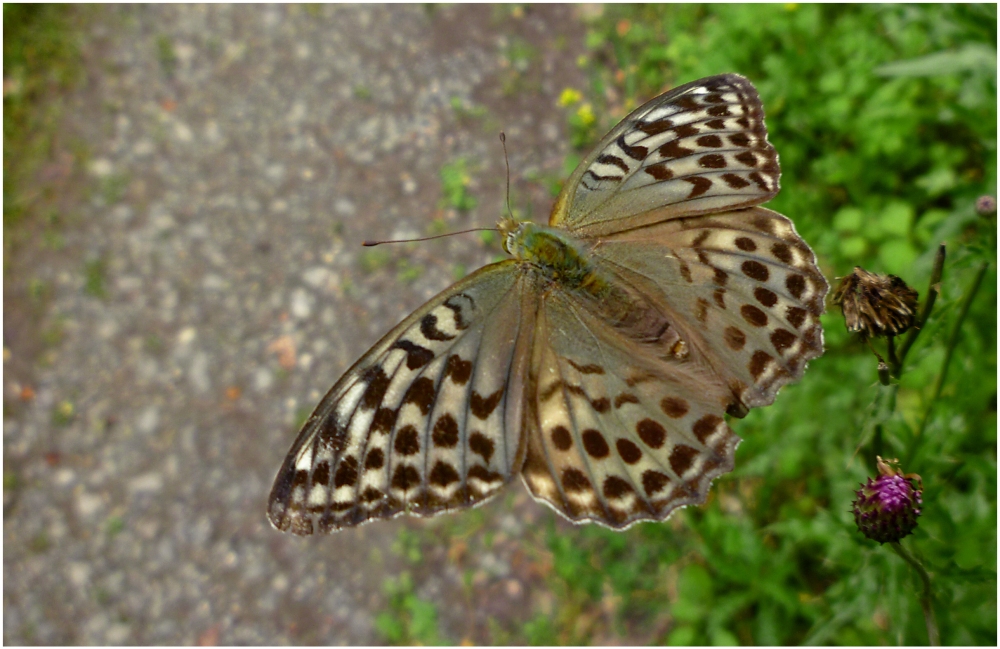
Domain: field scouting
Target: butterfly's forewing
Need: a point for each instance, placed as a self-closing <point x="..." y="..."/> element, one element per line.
<point x="741" y="288"/>
<point x="619" y="430"/>
<point x="427" y="421"/>
<point x="700" y="148"/>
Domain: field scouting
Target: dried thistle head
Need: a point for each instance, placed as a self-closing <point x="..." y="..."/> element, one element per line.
<point x="876" y="305"/>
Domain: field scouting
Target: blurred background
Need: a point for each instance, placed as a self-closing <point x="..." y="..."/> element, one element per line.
<point x="185" y="192"/>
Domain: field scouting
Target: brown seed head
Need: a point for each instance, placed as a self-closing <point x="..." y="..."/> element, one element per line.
<point x="875" y="305"/>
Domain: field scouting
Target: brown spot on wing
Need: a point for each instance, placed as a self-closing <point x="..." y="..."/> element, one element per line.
<point x="443" y="474"/>
<point x="483" y="407"/>
<point x="321" y="474"/>
<point x="421" y="394"/>
<point x="700" y="185"/>
<point x="445" y="433"/>
<point x="765" y="296"/>
<point x="753" y="315"/>
<point x="405" y="477"/>
<point x="347" y="473"/>
<point x="782" y="339"/>
<point x="615" y="487"/>
<point x="586" y="369"/>
<point x="712" y="161"/>
<point x="628" y="451"/>
<point x="595" y="444"/>
<point x="704" y="427"/>
<point x="796" y="316"/>
<point x="674" y="407"/>
<point x="481" y="445"/>
<point x="758" y="363"/>
<point x="735" y="338"/>
<point x="651" y="432"/>
<point x="407" y="441"/>
<point x="375" y="459"/>
<point x="458" y="370"/>
<point x="681" y="458"/>
<point x="372" y="494"/>
<point x="654" y="481"/>
<point x="701" y="310"/>
<point x="685" y="271"/>
<point x="781" y="250"/>
<point x="796" y="285"/>
<point x="416" y="356"/>
<point x="428" y="327"/>
<point x="755" y="270"/>
<point x="625" y="397"/>
<point x="378" y="383"/>
<point x="561" y="438"/>
<point x="574" y="480"/>
<point x="659" y="171"/>
<point x="734" y="181"/>
<point x="740" y="139"/>
<point x="383" y="421"/>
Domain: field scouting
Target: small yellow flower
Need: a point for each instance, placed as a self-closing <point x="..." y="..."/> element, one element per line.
<point x="586" y="114"/>
<point x="65" y="409"/>
<point x="569" y="96"/>
<point x="791" y="6"/>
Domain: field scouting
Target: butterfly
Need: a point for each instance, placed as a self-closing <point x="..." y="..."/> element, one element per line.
<point x="597" y="362"/>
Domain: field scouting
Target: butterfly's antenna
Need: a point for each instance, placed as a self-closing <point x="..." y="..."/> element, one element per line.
<point x="369" y="244"/>
<point x="503" y="141"/>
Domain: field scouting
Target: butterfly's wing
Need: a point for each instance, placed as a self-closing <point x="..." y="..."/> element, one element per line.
<point x="428" y="420"/>
<point x="742" y="289"/>
<point x="615" y="433"/>
<point x="697" y="149"/>
<point x="704" y="316"/>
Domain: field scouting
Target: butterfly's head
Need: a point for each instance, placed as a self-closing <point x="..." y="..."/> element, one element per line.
<point x="510" y="234"/>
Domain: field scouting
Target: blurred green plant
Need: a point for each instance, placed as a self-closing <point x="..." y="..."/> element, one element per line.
<point x="409" y="619"/>
<point x="885" y="120"/>
<point x="41" y="60"/>
<point x="455" y="182"/>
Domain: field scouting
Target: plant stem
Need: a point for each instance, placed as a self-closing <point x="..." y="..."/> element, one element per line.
<point x="932" y="292"/>
<point x="956" y="330"/>
<point x="926" y="597"/>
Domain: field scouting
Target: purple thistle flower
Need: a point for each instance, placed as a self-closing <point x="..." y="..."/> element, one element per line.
<point x="888" y="506"/>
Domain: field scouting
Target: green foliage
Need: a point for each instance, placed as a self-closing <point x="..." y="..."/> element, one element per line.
<point x="410" y="619"/>
<point x="455" y="186"/>
<point x="885" y="120"/>
<point x="95" y="277"/>
<point x="41" y="59"/>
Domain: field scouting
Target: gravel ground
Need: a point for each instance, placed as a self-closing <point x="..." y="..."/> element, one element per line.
<point x="209" y="288"/>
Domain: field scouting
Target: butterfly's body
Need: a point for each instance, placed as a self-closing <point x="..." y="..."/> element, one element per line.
<point x="599" y="361"/>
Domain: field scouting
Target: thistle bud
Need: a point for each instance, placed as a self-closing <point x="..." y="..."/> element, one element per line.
<point x="986" y="206"/>
<point x="888" y="506"/>
<point x="876" y="305"/>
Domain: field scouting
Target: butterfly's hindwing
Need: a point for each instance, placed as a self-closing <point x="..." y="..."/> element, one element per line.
<point x="699" y="148"/>
<point x="742" y="287"/>
<point x="423" y="422"/>
<point x="619" y="432"/>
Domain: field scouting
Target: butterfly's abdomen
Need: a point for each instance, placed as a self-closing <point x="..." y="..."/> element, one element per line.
<point x="559" y="257"/>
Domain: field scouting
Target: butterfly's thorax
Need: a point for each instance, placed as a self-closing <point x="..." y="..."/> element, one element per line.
<point x="569" y="264"/>
<point x="559" y="257"/>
